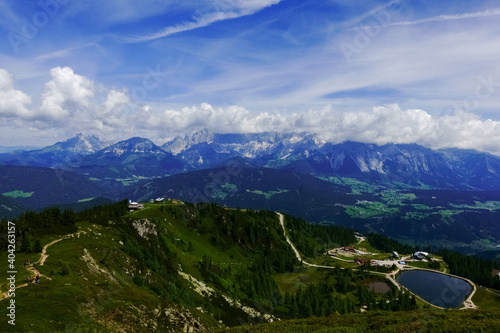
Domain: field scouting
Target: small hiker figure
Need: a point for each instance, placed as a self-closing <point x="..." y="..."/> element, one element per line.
<point x="34" y="265"/>
<point x="37" y="279"/>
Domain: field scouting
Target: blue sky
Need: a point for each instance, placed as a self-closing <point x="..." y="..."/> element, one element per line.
<point x="372" y="71"/>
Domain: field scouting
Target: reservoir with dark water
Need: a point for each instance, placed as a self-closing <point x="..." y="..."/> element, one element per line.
<point x="438" y="289"/>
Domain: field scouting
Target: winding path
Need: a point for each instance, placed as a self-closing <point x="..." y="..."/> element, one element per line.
<point x="44" y="254"/>
<point x="468" y="304"/>
<point x="297" y="254"/>
<point x="41" y="261"/>
<point x="492" y="292"/>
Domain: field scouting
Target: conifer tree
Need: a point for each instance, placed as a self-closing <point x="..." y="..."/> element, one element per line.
<point x="37" y="247"/>
<point x="26" y="244"/>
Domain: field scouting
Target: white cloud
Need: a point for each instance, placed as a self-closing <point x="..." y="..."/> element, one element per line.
<point x="225" y="10"/>
<point x="384" y="124"/>
<point x="249" y="6"/>
<point x="430" y="66"/>
<point x="13" y="103"/>
<point x="115" y="99"/>
<point x="65" y="93"/>
<point x="232" y="119"/>
<point x="441" y="18"/>
<point x="200" y="22"/>
<point x="69" y="105"/>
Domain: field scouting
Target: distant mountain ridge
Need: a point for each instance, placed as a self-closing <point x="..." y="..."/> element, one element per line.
<point x="393" y="164"/>
<point x="56" y="155"/>
<point x="407" y="191"/>
<point x="79" y="144"/>
<point x="206" y="149"/>
<point x="9" y="149"/>
<point x="408" y="164"/>
<point x="126" y="162"/>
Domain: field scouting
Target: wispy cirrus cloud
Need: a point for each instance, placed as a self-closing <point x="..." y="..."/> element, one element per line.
<point x="441" y="18"/>
<point x="203" y="21"/>
<point x="261" y="64"/>
<point x="229" y="10"/>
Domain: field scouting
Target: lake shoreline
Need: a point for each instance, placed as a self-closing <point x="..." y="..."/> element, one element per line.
<point x="441" y="290"/>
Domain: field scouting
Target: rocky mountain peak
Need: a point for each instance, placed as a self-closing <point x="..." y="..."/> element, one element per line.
<point x="78" y="145"/>
<point x="133" y="146"/>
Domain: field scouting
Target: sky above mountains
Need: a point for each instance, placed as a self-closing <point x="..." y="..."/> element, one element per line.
<point x="373" y="71"/>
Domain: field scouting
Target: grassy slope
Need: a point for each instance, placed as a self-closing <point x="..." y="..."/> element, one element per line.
<point x="99" y="292"/>
<point x="83" y="298"/>
<point x="486" y="298"/>
<point x="411" y="321"/>
<point x="102" y="296"/>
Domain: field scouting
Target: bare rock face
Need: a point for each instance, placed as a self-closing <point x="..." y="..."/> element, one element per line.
<point x="183" y="320"/>
<point x="145" y="228"/>
<point x="94" y="267"/>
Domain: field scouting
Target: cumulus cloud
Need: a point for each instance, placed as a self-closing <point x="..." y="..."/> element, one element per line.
<point x="71" y="100"/>
<point x="381" y="125"/>
<point x="13" y="103"/>
<point x="115" y="100"/>
<point x="65" y="93"/>
<point x="232" y="119"/>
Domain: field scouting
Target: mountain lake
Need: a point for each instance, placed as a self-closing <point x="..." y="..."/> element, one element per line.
<point x="438" y="289"/>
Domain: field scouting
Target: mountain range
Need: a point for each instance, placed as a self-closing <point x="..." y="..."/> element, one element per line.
<point x="409" y="164"/>
<point x="392" y="164"/>
<point x="407" y="191"/>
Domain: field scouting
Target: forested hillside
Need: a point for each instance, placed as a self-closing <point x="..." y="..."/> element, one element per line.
<point x="175" y="266"/>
